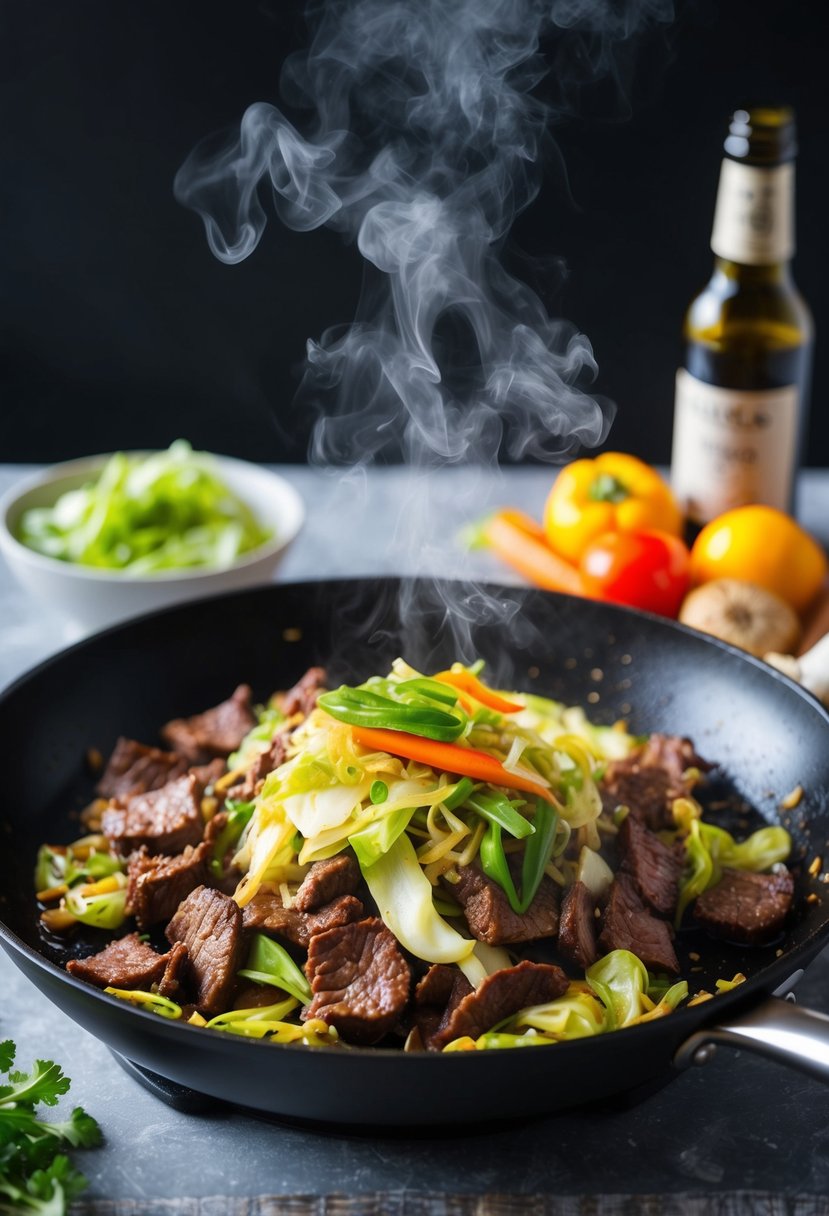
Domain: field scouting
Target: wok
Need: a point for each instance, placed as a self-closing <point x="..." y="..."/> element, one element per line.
<point x="765" y="734"/>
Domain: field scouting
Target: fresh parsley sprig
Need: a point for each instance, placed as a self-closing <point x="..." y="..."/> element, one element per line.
<point x="35" y="1175"/>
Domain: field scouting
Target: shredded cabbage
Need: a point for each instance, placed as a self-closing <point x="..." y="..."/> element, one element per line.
<point x="403" y="895"/>
<point x="146" y="514"/>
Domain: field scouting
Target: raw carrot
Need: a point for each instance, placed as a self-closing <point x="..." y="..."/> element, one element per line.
<point x="448" y="758"/>
<point x="519" y="541"/>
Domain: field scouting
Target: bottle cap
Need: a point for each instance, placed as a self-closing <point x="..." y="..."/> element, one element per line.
<point x="762" y="135"/>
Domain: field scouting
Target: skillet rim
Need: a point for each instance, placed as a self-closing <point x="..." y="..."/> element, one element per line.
<point x="766" y="981"/>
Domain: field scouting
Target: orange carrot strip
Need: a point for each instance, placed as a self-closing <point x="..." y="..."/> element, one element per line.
<point x="472" y="686"/>
<point x="519" y="541"/>
<point x="448" y="757"/>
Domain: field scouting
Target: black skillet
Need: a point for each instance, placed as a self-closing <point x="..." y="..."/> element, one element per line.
<point x="765" y="734"/>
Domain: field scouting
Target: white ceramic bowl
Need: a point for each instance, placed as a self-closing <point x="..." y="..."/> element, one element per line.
<point x="93" y="598"/>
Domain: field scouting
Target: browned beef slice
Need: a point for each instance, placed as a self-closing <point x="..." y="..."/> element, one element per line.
<point x="164" y="821"/>
<point x="256" y="996"/>
<point x="216" y="732"/>
<point x="651" y="777"/>
<point x="254" y="778"/>
<point x="436" y="997"/>
<point x="134" y="769"/>
<point x="628" y="925"/>
<point x="302" y="698"/>
<point x="173" y="981"/>
<point x="746" y="908"/>
<point x="500" y="996"/>
<point x="490" y="917"/>
<point x="125" y="963"/>
<point x="157" y="885"/>
<point x="328" y="880"/>
<point x="359" y="978"/>
<point x="209" y="774"/>
<point x="654" y="868"/>
<point x="577" y="928"/>
<point x="266" y="912"/>
<point x="210" y="926"/>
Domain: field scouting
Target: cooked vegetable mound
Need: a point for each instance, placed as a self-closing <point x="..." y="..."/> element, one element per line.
<point x="418" y="860"/>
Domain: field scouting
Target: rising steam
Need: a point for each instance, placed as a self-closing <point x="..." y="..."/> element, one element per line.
<point x="423" y="146"/>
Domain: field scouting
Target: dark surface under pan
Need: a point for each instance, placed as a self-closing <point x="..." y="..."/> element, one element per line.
<point x="765" y="734"/>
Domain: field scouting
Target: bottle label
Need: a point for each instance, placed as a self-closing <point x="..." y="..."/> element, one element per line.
<point x="754" y="218"/>
<point x="732" y="447"/>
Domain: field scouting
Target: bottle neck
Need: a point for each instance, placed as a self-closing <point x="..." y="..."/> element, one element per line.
<point x="754" y="217"/>
<point x="772" y="274"/>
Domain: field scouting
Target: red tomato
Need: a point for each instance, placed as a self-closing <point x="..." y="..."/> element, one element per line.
<point x="648" y="570"/>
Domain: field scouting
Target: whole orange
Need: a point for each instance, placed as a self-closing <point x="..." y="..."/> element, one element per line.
<point x="761" y="545"/>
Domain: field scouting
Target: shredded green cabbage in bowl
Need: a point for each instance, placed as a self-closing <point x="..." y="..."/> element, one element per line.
<point x="147" y="513"/>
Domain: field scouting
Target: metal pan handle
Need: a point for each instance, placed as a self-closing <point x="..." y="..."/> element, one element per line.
<point x="775" y="1028"/>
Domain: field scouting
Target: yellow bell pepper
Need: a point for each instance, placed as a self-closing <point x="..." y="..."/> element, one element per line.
<point x="614" y="492"/>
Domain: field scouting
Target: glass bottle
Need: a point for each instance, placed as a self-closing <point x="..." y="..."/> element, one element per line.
<point x="742" y="392"/>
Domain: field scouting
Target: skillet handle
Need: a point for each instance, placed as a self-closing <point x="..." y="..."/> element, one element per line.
<point x="775" y="1028"/>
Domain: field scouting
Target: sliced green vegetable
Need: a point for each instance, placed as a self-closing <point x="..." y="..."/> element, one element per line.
<point x="709" y="849"/>
<point x="150" y="1001"/>
<point x="379" y="792"/>
<point x="258" y="739"/>
<point x="146" y="514"/>
<point x="270" y="963"/>
<point x="494" y="864"/>
<point x="576" y="1015"/>
<point x="371" y="842"/>
<point x="537" y="852"/>
<point x="361" y="707"/>
<point x="459" y="794"/>
<point x="264" y="1020"/>
<point x="619" y="980"/>
<point x="104" y="911"/>
<point x="239" y="815"/>
<point x="497" y="808"/>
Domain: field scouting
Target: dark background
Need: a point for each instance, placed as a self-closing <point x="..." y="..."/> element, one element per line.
<point x="118" y="328"/>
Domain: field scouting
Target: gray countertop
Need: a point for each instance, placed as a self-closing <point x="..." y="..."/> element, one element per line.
<point x="735" y="1135"/>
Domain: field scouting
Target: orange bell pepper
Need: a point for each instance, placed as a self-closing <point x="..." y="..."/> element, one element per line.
<point x="449" y="758"/>
<point x="614" y="492"/>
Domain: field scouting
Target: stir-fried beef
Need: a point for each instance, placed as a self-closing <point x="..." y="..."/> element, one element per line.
<point x="628" y="925"/>
<point x="209" y="774"/>
<point x="490" y="917"/>
<point x="359" y="978"/>
<point x="134" y="769"/>
<point x="163" y="821"/>
<point x="173" y="981"/>
<point x="253" y="780"/>
<point x="257" y="996"/>
<point x="157" y="885"/>
<point x="577" y="928"/>
<point x="651" y="777"/>
<point x="436" y="998"/>
<point x="216" y="732"/>
<point x="125" y="963"/>
<point x="302" y="698"/>
<point x="210" y="926"/>
<point x="654" y="868"/>
<point x="326" y="881"/>
<point x="267" y="912"/>
<point x="500" y="995"/>
<point x="745" y="907"/>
